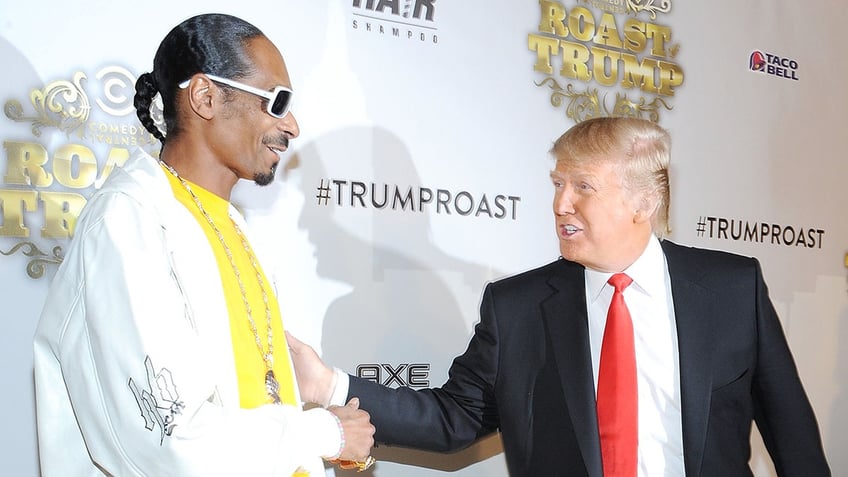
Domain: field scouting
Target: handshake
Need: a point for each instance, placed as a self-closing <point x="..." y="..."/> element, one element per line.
<point x="357" y="437"/>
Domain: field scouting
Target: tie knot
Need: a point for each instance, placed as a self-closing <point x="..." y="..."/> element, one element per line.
<point x="620" y="281"/>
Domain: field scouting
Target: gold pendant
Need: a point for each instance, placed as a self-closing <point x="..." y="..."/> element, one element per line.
<point x="272" y="387"/>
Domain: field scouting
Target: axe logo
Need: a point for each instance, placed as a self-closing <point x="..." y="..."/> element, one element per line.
<point x="413" y="375"/>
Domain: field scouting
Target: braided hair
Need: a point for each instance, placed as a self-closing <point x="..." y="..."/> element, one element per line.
<point x="210" y="43"/>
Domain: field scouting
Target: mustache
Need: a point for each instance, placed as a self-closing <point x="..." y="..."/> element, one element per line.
<point x="280" y="140"/>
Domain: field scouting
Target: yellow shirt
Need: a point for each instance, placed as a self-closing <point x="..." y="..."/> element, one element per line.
<point x="250" y="367"/>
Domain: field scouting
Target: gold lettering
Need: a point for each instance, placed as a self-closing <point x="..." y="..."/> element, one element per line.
<point x="13" y="203"/>
<point x="607" y="33"/>
<point x="597" y="49"/>
<point x="61" y="210"/>
<point x="575" y="59"/>
<point x="650" y="75"/>
<point x="660" y="35"/>
<point x="634" y="35"/>
<point x="25" y="164"/>
<point x="63" y="166"/>
<point x="544" y="47"/>
<point x="639" y="74"/>
<point x="671" y="75"/>
<point x="553" y="18"/>
<point x="603" y="60"/>
<point x="581" y="23"/>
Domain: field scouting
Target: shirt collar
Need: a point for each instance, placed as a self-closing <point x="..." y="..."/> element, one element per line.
<point x="647" y="272"/>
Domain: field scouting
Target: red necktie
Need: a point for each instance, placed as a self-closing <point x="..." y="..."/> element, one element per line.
<point x="616" y="402"/>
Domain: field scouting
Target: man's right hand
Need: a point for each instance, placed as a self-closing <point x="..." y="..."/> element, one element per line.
<point x="358" y="431"/>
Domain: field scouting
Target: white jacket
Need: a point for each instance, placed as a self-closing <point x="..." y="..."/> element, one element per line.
<point x="134" y="367"/>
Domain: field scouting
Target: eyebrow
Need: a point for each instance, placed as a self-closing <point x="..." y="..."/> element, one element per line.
<point x="581" y="175"/>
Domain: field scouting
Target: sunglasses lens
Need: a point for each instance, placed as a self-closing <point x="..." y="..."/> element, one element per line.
<point x="281" y="102"/>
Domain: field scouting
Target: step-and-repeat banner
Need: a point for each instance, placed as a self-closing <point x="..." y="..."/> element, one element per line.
<point x="422" y="168"/>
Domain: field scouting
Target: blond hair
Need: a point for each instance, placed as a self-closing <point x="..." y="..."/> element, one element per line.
<point x="641" y="147"/>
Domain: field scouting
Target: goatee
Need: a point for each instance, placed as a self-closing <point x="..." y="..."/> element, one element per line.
<point x="263" y="178"/>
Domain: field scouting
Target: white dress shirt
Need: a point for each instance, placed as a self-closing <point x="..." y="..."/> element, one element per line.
<point x="651" y="308"/>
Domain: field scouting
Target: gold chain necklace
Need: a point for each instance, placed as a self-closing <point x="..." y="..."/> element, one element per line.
<point x="272" y="386"/>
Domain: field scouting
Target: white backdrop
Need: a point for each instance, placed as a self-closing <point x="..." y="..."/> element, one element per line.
<point x="448" y="105"/>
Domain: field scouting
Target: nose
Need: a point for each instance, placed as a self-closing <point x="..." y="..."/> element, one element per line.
<point x="564" y="200"/>
<point x="288" y="125"/>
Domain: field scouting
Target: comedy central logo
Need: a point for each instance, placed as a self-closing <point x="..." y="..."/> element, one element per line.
<point x="774" y="65"/>
<point x="607" y="57"/>
<point x="411" y="20"/>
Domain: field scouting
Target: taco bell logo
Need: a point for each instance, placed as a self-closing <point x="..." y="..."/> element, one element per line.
<point x="774" y="65"/>
<point x="758" y="61"/>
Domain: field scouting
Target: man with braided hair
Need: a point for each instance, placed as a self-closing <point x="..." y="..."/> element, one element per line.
<point x="161" y="348"/>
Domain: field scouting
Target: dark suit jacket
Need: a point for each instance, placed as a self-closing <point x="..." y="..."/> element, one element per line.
<point x="527" y="372"/>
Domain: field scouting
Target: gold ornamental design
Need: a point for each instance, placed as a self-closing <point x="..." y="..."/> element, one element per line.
<point x="587" y="104"/>
<point x="61" y="104"/>
<point x="649" y="6"/>
<point x="38" y="259"/>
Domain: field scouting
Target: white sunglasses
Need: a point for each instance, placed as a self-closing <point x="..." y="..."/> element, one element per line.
<point x="279" y="100"/>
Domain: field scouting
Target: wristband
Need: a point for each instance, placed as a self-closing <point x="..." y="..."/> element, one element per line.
<point x="341" y="438"/>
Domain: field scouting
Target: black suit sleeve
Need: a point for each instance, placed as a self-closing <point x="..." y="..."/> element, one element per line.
<point x="441" y="419"/>
<point x="782" y="410"/>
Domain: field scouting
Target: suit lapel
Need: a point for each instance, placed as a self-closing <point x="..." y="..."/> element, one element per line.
<point x="692" y="303"/>
<point x="566" y="321"/>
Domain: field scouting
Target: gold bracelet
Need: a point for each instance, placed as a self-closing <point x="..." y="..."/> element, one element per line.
<point x="359" y="465"/>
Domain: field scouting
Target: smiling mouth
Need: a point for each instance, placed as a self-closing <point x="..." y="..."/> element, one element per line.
<point x="570" y="229"/>
<point x="278" y="144"/>
<point x="278" y="149"/>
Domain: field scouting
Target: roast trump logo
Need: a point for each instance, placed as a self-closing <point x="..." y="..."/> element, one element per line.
<point x="607" y="57"/>
<point x="79" y="131"/>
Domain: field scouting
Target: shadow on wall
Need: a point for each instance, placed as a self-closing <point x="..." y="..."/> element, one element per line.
<point x="400" y="309"/>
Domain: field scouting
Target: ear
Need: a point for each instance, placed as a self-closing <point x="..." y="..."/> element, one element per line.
<point x="201" y="97"/>
<point x="646" y="209"/>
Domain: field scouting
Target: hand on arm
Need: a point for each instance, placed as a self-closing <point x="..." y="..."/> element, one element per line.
<point x="315" y="379"/>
